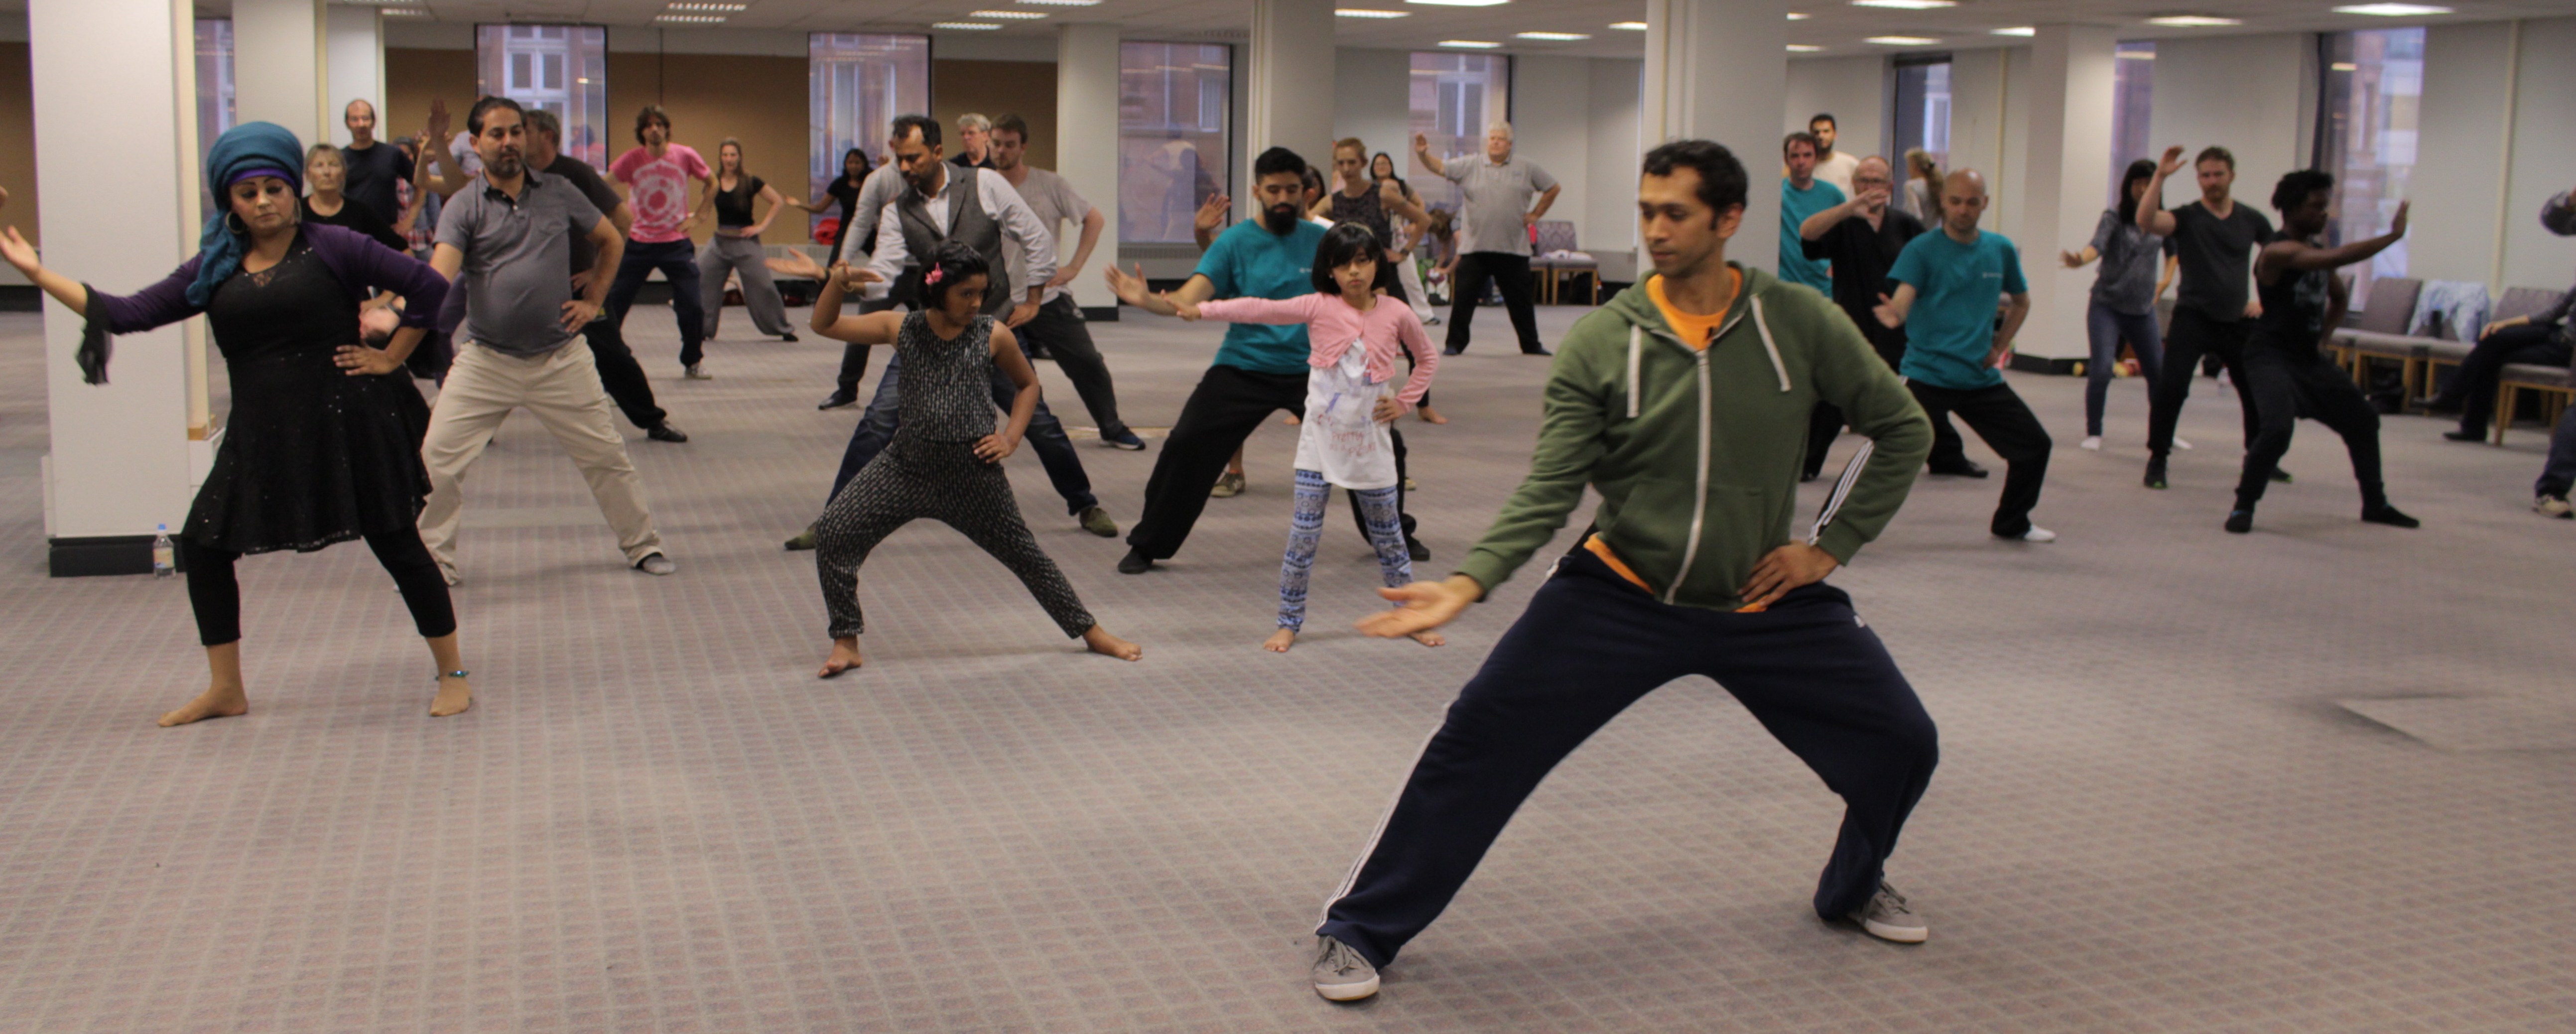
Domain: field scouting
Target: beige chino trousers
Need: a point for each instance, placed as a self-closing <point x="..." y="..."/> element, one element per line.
<point x="561" y="388"/>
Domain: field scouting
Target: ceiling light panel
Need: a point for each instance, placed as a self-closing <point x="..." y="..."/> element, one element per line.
<point x="1804" y="48"/>
<point x="691" y="19"/>
<point x="1552" y="36"/>
<point x="2393" y="10"/>
<point x="687" y="7"/>
<point x="1059" y="3"/>
<point x="1630" y="26"/>
<point x="1902" y="41"/>
<point x="2019" y="30"/>
<point x="1458" y="3"/>
<point x="2192" y="21"/>
<point x="1362" y="12"/>
<point x="966" y="26"/>
<point x="1470" y="44"/>
<point x="1907" y="5"/>
<point x="1019" y="16"/>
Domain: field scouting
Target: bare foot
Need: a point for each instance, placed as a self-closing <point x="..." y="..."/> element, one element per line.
<point x="1290" y="420"/>
<point x="1431" y="416"/>
<point x="1430" y="638"/>
<point x="216" y="702"/>
<point x="1101" y="642"/>
<point x="454" y="696"/>
<point x="1280" y="641"/>
<point x="845" y="656"/>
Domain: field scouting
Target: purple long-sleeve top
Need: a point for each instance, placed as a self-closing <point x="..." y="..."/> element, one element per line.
<point x="355" y="259"/>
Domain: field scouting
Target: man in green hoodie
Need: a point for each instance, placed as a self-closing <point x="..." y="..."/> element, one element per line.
<point x="1684" y="402"/>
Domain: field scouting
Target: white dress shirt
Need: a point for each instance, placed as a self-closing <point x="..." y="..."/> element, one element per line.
<point x="1000" y="200"/>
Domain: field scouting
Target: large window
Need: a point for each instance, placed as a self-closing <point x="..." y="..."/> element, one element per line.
<point x="1922" y="107"/>
<point x="214" y="85"/>
<point x="1174" y="136"/>
<point x="2133" y="88"/>
<point x="1455" y="96"/>
<point x="2374" y="89"/>
<point x="560" y="68"/>
<point x="859" y="83"/>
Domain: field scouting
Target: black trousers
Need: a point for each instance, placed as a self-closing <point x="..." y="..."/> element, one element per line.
<point x="2473" y="388"/>
<point x="1590" y="645"/>
<point x="2007" y="425"/>
<point x="2193" y="335"/>
<point x="621" y="374"/>
<point x="678" y="261"/>
<point x="1511" y="277"/>
<point x="1060" y="330"/>
<point x="1228" y="405"/>
<point x="2287" y="387"/>
<point x="215" y="594"/>
<point x="854" y="358"/>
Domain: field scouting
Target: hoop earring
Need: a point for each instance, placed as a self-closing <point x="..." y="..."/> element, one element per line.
<point x="233" y="224"/>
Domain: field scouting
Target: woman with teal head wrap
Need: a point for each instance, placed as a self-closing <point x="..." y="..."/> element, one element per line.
<point x="323" y="441"/>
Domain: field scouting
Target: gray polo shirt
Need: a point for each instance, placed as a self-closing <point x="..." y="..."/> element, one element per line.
<point x="1497" y="196"/>
<point x="516" y="252"/>
<point x="1062" y="210"/>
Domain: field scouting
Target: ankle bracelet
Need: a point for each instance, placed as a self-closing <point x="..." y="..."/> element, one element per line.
<point x="457" y="674"/>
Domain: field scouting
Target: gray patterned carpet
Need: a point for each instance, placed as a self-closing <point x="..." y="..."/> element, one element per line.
<point x="2319" y="778"/>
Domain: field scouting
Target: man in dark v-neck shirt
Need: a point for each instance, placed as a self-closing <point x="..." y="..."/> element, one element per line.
<point x="2213" y="309"/>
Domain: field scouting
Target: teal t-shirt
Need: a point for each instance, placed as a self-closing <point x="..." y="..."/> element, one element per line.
<point x="1795" y="206"/>
<point x="1249" y="261"/>
<point x="1957" y="289"/>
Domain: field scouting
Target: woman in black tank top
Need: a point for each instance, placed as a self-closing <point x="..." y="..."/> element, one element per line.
<point x="2286" y="374"/>
<point x="736" y="248"/>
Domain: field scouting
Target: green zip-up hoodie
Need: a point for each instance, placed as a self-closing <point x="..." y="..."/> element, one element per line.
<point x="1697" y="454"/>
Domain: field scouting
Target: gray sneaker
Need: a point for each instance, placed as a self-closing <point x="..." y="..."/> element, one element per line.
<point x="1887" y="918"/>
<point x="1341" y="975"/>
<point x="656" y="564"/>
<point x="697" y="372"/>
<point x="2553" y="506"/>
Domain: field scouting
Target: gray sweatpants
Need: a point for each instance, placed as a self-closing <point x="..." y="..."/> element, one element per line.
<point x="759" y="293"/>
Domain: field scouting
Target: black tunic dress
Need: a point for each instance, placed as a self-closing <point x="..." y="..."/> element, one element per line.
<point x="311" y="455"/>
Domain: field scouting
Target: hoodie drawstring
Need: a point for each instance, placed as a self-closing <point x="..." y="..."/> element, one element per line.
<point x="1636" y="351"/>
<point x="1768" y="346"/>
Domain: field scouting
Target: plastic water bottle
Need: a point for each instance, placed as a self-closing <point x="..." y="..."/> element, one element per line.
<point x="164" y="556"/>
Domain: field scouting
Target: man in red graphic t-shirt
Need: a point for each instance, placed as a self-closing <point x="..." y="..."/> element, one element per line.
<point x="657" y="177"/>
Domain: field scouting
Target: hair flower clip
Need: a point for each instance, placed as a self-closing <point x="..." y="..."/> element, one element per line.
<point x="931" y="279"/>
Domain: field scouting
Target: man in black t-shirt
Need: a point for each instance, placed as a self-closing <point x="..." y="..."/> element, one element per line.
<point x="375" y="168"/>
<point x="1862" y="237"/>
<point x="2215" y="239"/>
<point x="618" y="370"/>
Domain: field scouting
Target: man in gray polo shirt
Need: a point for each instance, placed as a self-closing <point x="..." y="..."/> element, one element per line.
<point x="1497" y="219"/>
<point x="509" y="234"/>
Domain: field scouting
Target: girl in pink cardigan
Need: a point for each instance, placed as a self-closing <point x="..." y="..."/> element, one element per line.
<point x="1358" y="335"/>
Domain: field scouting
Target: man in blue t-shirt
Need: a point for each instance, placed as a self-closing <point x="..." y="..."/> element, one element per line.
<point x="1803" y="195"/>
<point x="1259" y="370"/>
<point x="1948" y="287"/>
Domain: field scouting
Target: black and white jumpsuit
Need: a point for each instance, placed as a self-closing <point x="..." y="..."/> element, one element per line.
<point x="930" y="470"/>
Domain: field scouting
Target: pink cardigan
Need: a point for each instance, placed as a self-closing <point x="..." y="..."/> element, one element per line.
<point x="1387" y="328"/>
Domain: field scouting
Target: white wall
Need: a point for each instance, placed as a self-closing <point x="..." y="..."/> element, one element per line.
<point x="1852" y="89"/>
<point x="2254" y="95"/>
<point x="1610" y="211"/>
<point x="1551" y="102"/>
<point x="2544" y="154"/>
<point x="2458" y="180"/>
<point x="355" y="56"/>
<point x="1372" y="101"/>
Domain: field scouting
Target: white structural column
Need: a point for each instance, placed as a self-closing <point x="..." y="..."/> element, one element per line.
<point x="1288" y="77"/>
<point x="278" y="73"/>
<point x="1086" y="145"/>
<point x="116" y="198"/>
<point x="2061" y="186"/>
<point x="1716" y="70"/>
<point x="354" y="67"/>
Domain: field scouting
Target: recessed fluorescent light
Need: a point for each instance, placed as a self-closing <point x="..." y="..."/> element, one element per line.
<point x="1630" y="26"/>
<point x="1907" y="5"/>
<point x="965" y="26"/>
<point x="1902" y="41"/>
<point x="1458" y="3"/>
<point x="2345" y="66"/>
<point x="1011" y="15"/>
<point x="2018" y="30"/>
<point x="2137" y="55"/>
<point x="1362" y="12"/>
<point x="691" y="19"/>
<point x="720" y="8"/>
<point x="1553" y="35"/>
<point x="1059" y="3"/>
<point x="1471" y="44"/>
<point x="403" y="12"/>
<point x="2392" y="10"/>
<point x="1804" y="48"/>
<point x="1796" y="17"/>
<point x="2192" y="21"/>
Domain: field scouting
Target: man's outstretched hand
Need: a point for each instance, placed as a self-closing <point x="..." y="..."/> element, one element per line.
<point x="1422" y="606"/>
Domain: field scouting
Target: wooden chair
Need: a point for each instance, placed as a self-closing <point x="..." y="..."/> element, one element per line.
<point x="1558" y="235"/>
<point x="2554" y="383"/>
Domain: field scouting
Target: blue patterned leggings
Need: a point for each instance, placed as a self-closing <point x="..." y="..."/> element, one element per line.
<point x="1306" y="527"/>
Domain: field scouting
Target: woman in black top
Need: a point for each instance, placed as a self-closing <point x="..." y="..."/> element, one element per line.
<point x="843" y="191"/>
<point x="2286" y="373"/>
<point x="736" y="247"/>
<point x="326" y="172"/>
